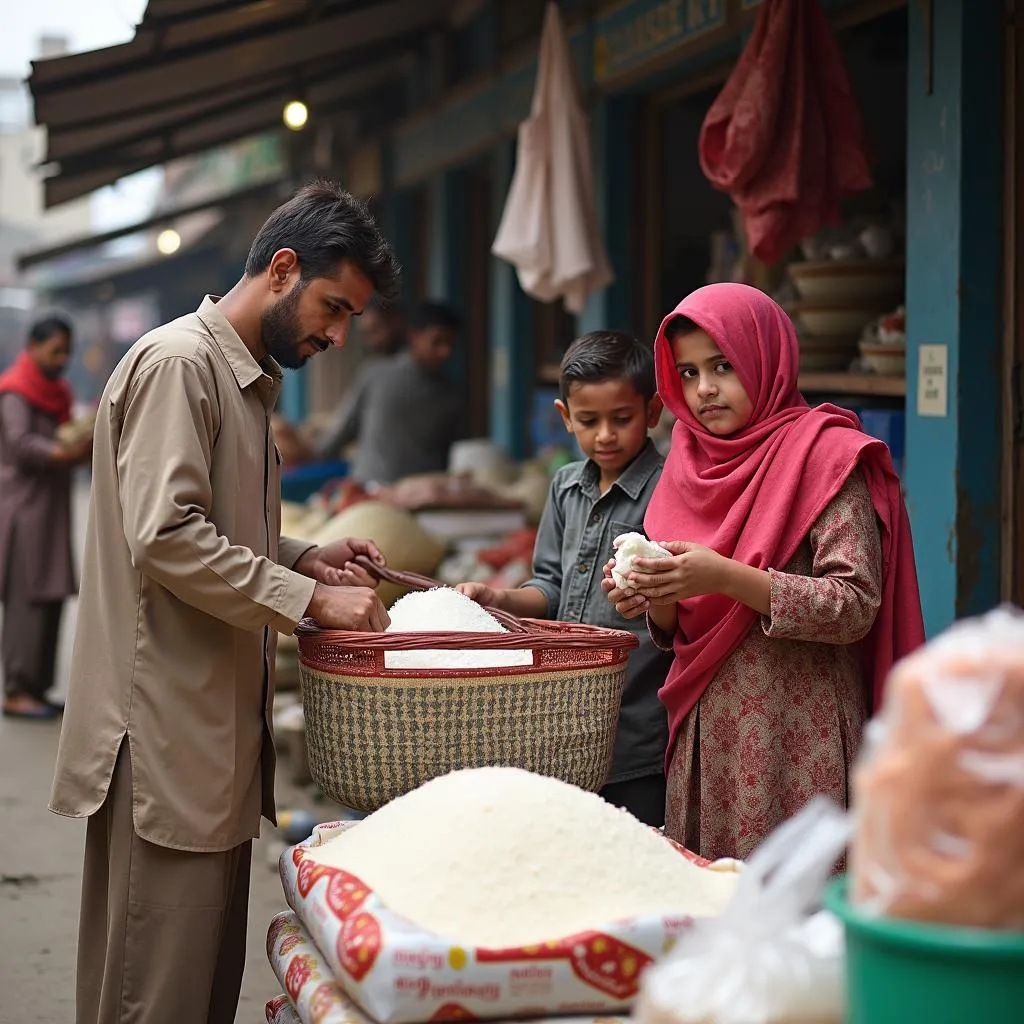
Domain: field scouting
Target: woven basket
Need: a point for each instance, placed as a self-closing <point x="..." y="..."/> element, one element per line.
<point x="375" y="733"/>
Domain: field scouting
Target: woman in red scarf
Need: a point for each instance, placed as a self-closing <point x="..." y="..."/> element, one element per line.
<point x="792" y="587"/>
<point x="36" y="573"/>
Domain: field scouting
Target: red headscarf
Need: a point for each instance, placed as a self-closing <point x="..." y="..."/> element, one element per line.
<point x="52" y="397"/>
<point x="755" y="495"/>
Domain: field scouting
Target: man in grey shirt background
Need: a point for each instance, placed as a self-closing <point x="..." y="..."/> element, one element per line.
<point x="402" y="412"/>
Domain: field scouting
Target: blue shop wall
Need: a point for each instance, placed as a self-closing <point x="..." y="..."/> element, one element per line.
<point x="954" y="240"/>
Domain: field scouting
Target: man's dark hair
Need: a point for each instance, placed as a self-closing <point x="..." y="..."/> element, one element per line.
<point x="47" y="327"/>
<point x="324" y="224"/>
<point x="679" y="327"/>
<point x="433" y="314"/>
<point x="608" y="355"/>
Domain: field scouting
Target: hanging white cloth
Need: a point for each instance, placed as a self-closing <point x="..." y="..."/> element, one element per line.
<point x="549" y="229"/>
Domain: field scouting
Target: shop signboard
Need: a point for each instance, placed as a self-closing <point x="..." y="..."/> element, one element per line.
<point x="629" y="36"/>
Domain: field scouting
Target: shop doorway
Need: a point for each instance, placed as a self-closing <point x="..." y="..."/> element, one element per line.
<point x="477" y="296"/>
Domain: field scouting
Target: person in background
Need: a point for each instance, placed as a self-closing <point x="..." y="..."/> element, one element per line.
<point x="382" y="333"/>
<point x="166" y="746"/>
<point x="36" y="570"/>
<point x="403" y="413"/>
<point x="791" y="588"/>
<point x="382" y="330"/>
<point x="608" y="401"/>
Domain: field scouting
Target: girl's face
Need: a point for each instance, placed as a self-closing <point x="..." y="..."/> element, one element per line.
<point x="712" y="389"/>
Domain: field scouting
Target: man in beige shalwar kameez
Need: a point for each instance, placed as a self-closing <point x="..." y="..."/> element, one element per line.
<point x="166" y="745"/>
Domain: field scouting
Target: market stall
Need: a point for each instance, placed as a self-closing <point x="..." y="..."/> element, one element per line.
<point x="505" y="894"/>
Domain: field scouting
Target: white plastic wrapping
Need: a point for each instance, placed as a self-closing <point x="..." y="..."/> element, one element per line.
<point x="763" y="961"/>
<point x="939" y="793"/>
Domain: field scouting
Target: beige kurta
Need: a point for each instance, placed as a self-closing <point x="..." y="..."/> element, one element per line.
<point x="182" y="591"/>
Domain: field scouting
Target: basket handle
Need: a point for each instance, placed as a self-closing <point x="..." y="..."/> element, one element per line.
<point x="414" y="581"/>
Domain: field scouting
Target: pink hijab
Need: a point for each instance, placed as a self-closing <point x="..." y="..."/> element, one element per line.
<point x="755" y="495"/>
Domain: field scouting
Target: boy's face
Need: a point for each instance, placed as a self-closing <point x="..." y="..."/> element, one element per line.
<point x="610" y="420"/>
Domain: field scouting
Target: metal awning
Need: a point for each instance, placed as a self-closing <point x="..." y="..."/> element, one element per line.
<point x="203" y="72"/>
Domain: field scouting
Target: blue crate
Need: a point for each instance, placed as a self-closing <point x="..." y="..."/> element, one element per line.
<point x="546" y="426"/>
<point x="888" y="425"/>
<point x="303" y="482"/>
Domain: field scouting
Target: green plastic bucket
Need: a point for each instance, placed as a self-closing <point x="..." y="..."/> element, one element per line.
<point x="901" y="972"/>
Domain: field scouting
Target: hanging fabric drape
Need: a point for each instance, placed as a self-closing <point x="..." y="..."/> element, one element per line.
<point x="549" y="229"/>
<point x="784" y="138"/>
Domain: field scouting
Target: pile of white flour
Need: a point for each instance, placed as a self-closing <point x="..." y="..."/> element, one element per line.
<point x="500" y="857"/>
<point x="444" y="609"/>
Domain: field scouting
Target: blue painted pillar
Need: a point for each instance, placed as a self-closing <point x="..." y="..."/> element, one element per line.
<point x="396" y="220"/>
<point x="446" y="270"/>
<point x="614" y="154"/>
<point x="512" y="350"/>
<point x="954" y="262"/>
<point x="293" y="402"/>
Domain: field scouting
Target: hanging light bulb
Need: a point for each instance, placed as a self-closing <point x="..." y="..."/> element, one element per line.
<point x="168" y="241"/>
<point x="296" y="114"/>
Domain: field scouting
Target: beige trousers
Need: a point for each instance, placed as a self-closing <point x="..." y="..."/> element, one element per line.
<point x="162" y="932"/>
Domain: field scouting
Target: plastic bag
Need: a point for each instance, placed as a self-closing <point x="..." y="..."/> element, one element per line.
<point x="939" y="792"/>
<point x="765" y="960"/>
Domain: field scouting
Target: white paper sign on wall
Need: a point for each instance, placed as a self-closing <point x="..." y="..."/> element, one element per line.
<point x="933" y="380"/>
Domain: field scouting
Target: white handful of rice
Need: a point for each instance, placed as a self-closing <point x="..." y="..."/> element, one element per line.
<point x="628" y="547"/>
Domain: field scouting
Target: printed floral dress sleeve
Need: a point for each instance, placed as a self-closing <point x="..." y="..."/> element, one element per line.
<point x="837" y="601"/>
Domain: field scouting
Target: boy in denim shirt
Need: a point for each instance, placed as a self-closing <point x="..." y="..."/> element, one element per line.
<point x="608" y="402"/>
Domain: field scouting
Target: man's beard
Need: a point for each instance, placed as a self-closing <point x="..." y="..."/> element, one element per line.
<point x="279" y="328"/>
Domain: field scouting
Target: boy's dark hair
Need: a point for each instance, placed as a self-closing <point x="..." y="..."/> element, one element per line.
<point x="679" y="327"/>
<point x="433" y="314"/>
<point x="608" y="355"/>
<point x="47" y="327"/>
<point x="324" y="224"/>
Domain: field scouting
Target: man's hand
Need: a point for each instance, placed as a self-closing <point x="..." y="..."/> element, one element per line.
<point x="356" y="609"/>
<point x="73" y="454"/>
<point x="333" y="563"/>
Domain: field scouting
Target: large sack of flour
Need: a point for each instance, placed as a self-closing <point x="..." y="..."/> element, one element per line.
<point x="939" y="796"/>
<point x="492" y="893"/>
<point x="405" y="544"/>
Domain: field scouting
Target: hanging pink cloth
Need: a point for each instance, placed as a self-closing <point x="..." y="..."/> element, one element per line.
<point x="784" y="137"/>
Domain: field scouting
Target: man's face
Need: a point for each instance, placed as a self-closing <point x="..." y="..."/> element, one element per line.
<point x="431" y="347"/>
<point x="314" y="315"/>
<point x="51" y="354"/>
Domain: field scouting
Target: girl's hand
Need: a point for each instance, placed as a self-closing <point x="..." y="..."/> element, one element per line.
<point x="629" y="606"/>
<point x="691" y="571"/>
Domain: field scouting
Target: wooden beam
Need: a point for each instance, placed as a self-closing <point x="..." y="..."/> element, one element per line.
<point x="64" y="145"/>
<point x="289" y="50"/>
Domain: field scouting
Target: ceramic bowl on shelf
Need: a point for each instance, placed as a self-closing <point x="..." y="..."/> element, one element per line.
<point x="824" y="355"/>
<point x="887" y="360"/>
<point x="819" y="319"/>
<point x="871" y="282"/>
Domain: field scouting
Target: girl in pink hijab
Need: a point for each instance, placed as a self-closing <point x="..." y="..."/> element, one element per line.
<point x="791" y="589"/>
